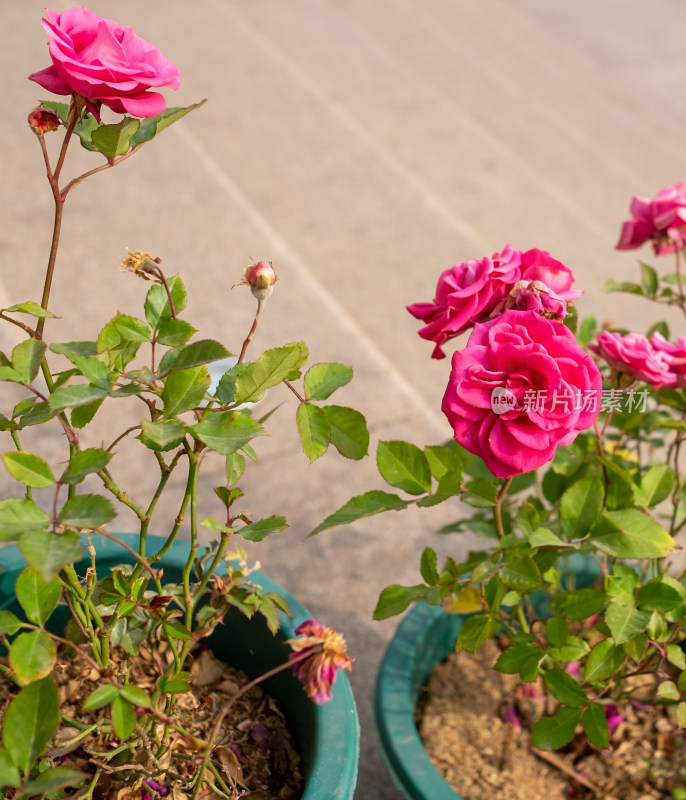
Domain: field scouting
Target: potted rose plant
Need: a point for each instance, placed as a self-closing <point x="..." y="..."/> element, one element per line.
<point x="109" y="688"/>
<point x="571" y="462"/>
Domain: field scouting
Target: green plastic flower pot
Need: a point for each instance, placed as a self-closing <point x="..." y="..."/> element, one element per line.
<point x="327" y="736"/>
<point x="424" y="638"/>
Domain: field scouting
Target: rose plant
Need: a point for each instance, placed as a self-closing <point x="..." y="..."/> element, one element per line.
<point x="567" y="442"/>
<point x="185" y="420"/>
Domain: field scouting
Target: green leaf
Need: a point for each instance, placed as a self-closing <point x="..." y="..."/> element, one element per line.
<point x="26" y="359"/>
<point x="86" y="511"/>
<point x="31" y="308"/>
<point x="257" y="531"/>
<point x="628" y="533"/>
<point x="151" y="126"/>
<point x="520" y="573"/>
<point x="82" y="415"/>
<point x="364" y="505"/>
<point x="580" y="506"/>
<point x="594" y="721"/>
<point x="32" y="656"/>
<point x="551" y="733"/>
<point x="227" y="431"/>
<point x="314" y="430"/>
<point x="620" y="492"/>
<point x="102" y="696"/>
<point x="123" y="718"/>
<point x="157" y="309"/>
<point x="557" y="631"/>
<point x="564" y="688"/>
<point x="48" y="552"/>
<point x="349" y="434"/>
<point x="173" y="332"/>
<point x="195" y="354"/>
<point x="580" y="604"/>
<point x="18" y="515"/>
<point x="521" y="659"/>
<point x="177" y="631"/>
<point x="164" y="435"/>
<point x="29" y="469"/>
<point x="136" y="696"/>
<point x="623" y="286"/>
<point x="623" y="620"/>
<point x="53" y="779"/>
<point x="235" y="466"/>
<point x="76" y="395"/>
<point x="114" y="140"/>
<point x="85" y="462"/>
<point x="669" y="691"/>
<point x="9" y="624"/>
<point x="395" y="599"/>
<point x="184" y="390"/>
<point x="443" y="461"/>
<point x="30" y="720"/>
<point x="649" y="279"/>
<point x="73" y="350"/>
<point x="37" y="597"/>
<point x="404" y="466"/>
<point x="322" y="380"/>
<point x="95" y="371"/>
<point x="272" y="367"/>
<point x="427" y="566"/>
<point x="681" y="719"/>
<point x="603" y="661"/>
<point x="544" y="537"/>
<point x="132" y="329"/>
<point x="656" y="486"/>
<point x="475" y="631"/>
<point x="676" y="656"/>
<point x="9" y="774"/>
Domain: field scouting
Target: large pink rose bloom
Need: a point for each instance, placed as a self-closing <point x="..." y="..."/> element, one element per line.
<point x="661" y="220"/>
<point x="466" y="294"/>
<point x="634" y="355"/>
<point x="105" y="63"/>
<point x="528" y="356"/>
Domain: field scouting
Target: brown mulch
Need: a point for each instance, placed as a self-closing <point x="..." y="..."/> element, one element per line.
<point x="255" y="756"/>
<point x="481" y="756"/>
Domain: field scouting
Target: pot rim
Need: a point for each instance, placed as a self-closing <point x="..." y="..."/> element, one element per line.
<point x="425" y="637"/>
<point x="332" y="773"/>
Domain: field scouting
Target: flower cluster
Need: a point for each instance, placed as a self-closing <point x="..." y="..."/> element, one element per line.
<point x="478" y="289"/>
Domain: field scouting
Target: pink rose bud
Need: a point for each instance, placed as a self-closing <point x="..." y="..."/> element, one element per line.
<point x="43" y="121"/>
<point x="260" y="278"/>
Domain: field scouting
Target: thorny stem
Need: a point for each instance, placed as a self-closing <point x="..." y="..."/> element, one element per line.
<point x="679" y="278"/>
<point x="33" y="334"/>
<point x="497" y="508"/>
<point x="258" y="314"/>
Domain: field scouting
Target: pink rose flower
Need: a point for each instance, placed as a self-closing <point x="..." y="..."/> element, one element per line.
<point x="316" y="658"/>
<point x="674" y="355"/>
<point x="538" y="265"/>
<point x="105" y="63"/>
<point x="554" y="387"/>
<point x="661" y="220"/>
<point x="466" y="294"/>
<point x="634" y="355"/>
